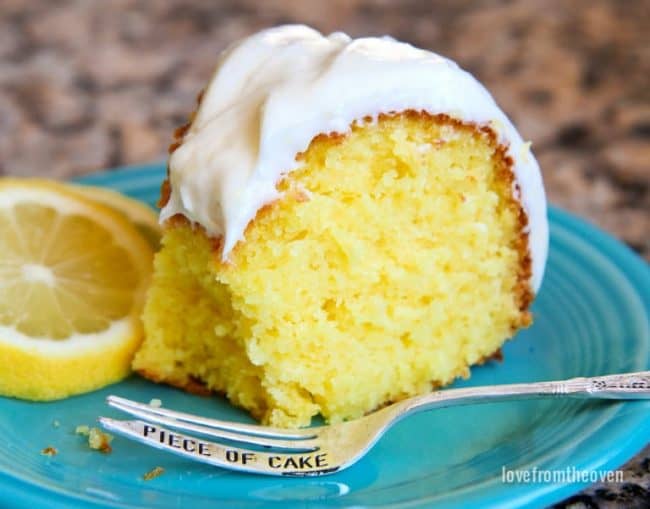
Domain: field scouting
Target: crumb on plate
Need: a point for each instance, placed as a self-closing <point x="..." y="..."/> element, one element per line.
<point x="82" y="429"/>
<point x="97" y="439"/>
<point x="155" y="402"/>
<point x="153" y="473"/>
<point x="49" y="451"/>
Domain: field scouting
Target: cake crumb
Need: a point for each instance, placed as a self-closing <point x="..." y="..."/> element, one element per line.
<point x="82" y="429"/>
<point x="155" y="402"/>
<point x="49" y="451"/>
<point x="56" y="423"/>
<point x="99" y="440"/>
<point x="153" y="473"/>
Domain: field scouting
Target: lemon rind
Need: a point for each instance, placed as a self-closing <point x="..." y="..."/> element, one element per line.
<point x="76" y="345"/>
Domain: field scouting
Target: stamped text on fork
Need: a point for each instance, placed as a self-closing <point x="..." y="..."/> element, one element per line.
<point x="194" y="446"/>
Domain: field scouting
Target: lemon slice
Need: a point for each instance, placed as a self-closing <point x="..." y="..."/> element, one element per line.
<point x="73" y="274"/>
<point x="143" y="217"/>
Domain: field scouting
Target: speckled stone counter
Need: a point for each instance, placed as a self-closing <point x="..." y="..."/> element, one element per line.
<point x="90" y="85"/>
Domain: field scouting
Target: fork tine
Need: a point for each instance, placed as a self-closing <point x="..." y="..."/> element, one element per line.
<point x="146" y="413"/>
<point x="270" y="463"/>
<point x="250" y="429"/>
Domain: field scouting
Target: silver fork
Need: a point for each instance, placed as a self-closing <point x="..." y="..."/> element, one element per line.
<point x="328" y="449"/>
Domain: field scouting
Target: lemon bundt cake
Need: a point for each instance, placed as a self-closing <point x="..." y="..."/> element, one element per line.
<point x="347" y="223"/>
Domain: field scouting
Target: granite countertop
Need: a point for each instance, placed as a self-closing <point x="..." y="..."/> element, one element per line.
<point x="90" y="85"/>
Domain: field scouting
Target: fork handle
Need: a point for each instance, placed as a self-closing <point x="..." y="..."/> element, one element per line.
<point x="622" y="386"/>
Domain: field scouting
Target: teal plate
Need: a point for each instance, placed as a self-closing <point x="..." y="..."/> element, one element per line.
<point x="591" y="319"/>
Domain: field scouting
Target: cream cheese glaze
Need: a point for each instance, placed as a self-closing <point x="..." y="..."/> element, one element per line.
<point x="274" y="91"/>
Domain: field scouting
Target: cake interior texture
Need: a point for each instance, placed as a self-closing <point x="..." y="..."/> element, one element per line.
<point x="396" y="258"/>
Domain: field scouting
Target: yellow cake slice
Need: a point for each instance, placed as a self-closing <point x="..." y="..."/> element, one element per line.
<point x="346" y="223"/>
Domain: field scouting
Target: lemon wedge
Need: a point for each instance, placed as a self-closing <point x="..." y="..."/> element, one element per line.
<point x="73" y="274"/>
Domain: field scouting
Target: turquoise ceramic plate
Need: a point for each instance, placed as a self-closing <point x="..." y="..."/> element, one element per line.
<point x="591" y="319"/>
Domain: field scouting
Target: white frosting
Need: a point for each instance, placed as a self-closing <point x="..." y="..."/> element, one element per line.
<point x="273" y="92"/>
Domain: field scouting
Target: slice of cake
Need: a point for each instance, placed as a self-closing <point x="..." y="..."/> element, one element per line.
<point x="347" y="223"/>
